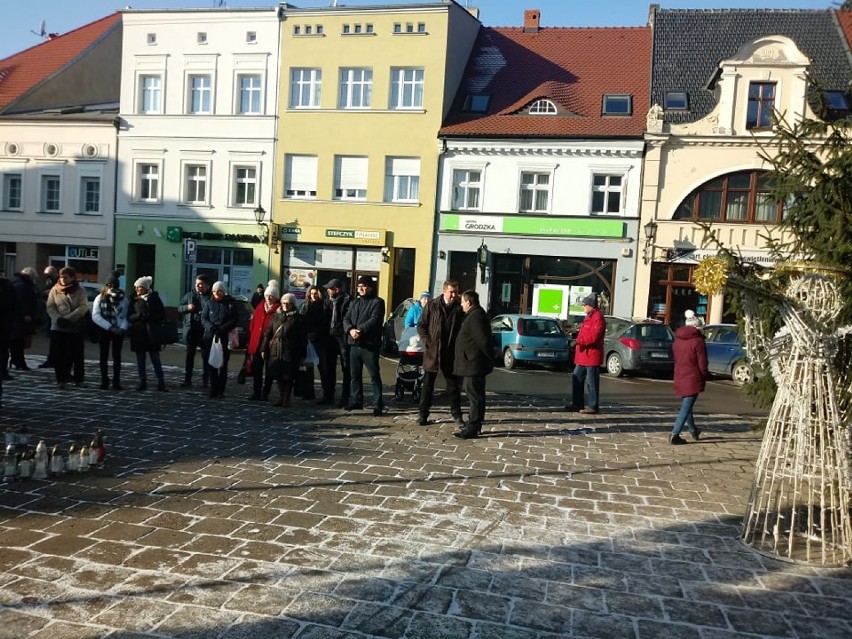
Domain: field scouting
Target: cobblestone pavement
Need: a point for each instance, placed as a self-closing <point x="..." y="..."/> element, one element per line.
<point x="228" y="518"/>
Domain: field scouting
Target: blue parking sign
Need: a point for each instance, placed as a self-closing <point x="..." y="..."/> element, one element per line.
<point x="190" y="251"/>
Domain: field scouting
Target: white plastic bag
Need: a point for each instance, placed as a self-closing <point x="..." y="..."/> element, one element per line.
<point x="217" y="356"/>
<point x="311" y="359"/>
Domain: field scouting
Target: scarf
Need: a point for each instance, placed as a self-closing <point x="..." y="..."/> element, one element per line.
<point x="109" y="306"/>
<point x="68" y="288"/>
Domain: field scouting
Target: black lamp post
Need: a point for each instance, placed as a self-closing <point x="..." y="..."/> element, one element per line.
<point x="650" y="238"/>
<point x="482" y="259"/>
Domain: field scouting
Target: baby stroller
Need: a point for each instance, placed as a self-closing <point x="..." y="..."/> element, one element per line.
<point x="409" y="369"/>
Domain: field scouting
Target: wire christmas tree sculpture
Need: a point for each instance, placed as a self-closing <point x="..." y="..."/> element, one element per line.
<point x="799" y="507"/>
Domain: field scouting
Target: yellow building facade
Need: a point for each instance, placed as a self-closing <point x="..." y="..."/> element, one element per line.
<point x="363" y="92"/>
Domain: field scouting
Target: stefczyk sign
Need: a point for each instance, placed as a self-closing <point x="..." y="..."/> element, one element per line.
<point x="350" y="234"/>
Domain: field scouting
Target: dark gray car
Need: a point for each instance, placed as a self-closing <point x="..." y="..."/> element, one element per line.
<point x="634" y="346"/>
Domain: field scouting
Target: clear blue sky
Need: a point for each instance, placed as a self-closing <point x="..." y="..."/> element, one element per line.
<point x="61" y="16"/>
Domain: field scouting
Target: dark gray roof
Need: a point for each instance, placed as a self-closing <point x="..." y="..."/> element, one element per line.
<point x="690" y="44"/>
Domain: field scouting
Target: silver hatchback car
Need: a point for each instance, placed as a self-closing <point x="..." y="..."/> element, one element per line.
<point x="637" y="345"/>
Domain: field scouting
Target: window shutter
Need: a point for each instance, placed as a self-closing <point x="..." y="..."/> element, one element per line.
<point x="301" y="173"/>
<point x="351" y="172"/>
<point x="404" y="166"/>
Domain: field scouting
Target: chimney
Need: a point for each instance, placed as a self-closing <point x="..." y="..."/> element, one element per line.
<point x="531" y="18"/>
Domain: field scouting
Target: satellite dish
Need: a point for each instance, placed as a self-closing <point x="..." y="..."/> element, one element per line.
<point x="42" y="31"/>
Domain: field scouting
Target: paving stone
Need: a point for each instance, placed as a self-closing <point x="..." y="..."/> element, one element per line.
<point x="375" y="619"/>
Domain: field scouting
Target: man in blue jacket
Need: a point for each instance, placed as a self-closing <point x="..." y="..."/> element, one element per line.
<point x="363" y="327"/>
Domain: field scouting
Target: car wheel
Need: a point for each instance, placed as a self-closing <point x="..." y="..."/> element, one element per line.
<point x="614" y="366"/>
<point x="742" y="373"/>
<point x="508" y="359"/>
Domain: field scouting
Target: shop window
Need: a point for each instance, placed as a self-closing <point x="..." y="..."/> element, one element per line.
<point x="742" y="197"/>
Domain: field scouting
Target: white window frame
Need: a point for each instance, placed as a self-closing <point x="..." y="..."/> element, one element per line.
<point x="350" y="177"/>
<point x="608" y="189"/>
<point x="535" y="188"/>
<point x="356" y="88"/>
<point x="543" y="106"/>
<point x="8" y="177"/>
<point x="410" y="82"/>
<point x="142" y="172"/>
<point x="85" y="180"/>
<point x="305" y="87"/>
<point x="248" y="174"/>
<point x="151" y="95"/>
<point x="46" y="192"/>
<point x="300" y="177"/>
<point x="462" y="186"/>
<point x="189" y="182"/>
<point x="402" y="179"/>
<point x="249" y="93"/>
<point x="200" y="92"/>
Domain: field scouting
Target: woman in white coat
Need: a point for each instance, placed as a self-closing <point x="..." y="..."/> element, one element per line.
<point x="109" y="313"/>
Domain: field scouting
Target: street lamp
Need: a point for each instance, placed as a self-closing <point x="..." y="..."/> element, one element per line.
<point x="482" y="259"/>
<point x="650" y="238"/>
<point x="260" y="216"/>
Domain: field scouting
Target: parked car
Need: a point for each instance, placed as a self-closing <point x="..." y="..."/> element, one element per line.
<point x="637" y="345"/>
<point x="392" y="329"/>
<point x="571" y="324"/>
<point x="725" y="354"/>
<point x="92" y="290"/>
<point x="530" y="339"/>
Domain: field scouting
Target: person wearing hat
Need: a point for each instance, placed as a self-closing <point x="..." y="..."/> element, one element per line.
<point x="24" y="316"/>
<point x="218" y="317"/>
<point x="438" y="329"/>
<point x="258" y="296"/>
<point x="109" y="313"/>
<point x="190" y="307"/>
<point x="260" y="321"/>
<point x="363" y="326"/>
<point x="336" y="350"/>
<point x="416" y="310"/>
<point x="690" y="374"/>
<point x="588" y="358"/>
<point x="67" y="306"/>
<point x="145" y="308"/>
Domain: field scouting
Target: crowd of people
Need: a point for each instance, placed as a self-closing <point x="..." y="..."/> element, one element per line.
<point x="286" y="344"/>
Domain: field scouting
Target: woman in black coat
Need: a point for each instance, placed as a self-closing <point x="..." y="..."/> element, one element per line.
<point x="145" y="308"/>
<point x="474" y="359"/>
<point x="284" y="345"/>
<point x="218" y="318"/>
<point x="317" y="321"/>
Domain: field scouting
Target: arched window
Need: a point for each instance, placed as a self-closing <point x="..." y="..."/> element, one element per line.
<point x="542" y="107"/>
<point x="744" y="196"/>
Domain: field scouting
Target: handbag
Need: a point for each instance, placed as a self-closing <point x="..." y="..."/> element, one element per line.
<point x="217" y="354"/>
<point x="233" y="339"/>
<point x="162" y="333"/>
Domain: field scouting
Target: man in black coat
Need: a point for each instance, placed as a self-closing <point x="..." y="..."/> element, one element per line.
<point x="438" y="327"/>
<point x="363" y="326"/>
<point x="24" y="319"/>
<point x="336" y="347"/>
<point x="190" y="307"/>
<point x="474" y="360"/>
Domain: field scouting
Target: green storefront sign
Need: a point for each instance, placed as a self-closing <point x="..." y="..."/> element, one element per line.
<point x="528" y="225"/>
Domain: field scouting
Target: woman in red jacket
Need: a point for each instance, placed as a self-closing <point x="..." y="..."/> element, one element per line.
<point x="690" y="373"/>
<point x="260" y="320"/>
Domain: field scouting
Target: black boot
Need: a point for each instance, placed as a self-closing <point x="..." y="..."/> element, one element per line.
<point x="161" y="385"/>
<point x="104" y="382"/>
<point x="470" y="431"/>
<point x="141" y="386"/>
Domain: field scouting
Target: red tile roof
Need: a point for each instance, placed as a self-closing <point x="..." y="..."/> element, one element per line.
<point x="21" y="72"/>
<point x="845" y="19"/>
<point x="573" y="67"/>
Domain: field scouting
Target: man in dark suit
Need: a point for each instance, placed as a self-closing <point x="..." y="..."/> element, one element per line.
<point x="474" y="360"/>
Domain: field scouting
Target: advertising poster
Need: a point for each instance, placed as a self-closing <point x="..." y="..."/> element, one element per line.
<point x="577" y="295"/>
<point x="300" y="280"/>
<point x="551" y="300"/>
<point x="241" y="285"/>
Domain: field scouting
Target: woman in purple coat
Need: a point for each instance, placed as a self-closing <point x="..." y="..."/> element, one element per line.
<point x="690" y="373"/>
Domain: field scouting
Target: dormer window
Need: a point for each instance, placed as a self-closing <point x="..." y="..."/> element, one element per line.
<point x="616" y="104"/>
<point x="676" y="101"/>
<point x="542" y="107"/>
<point x="761" y="104"/>
<point x="476" y="103"/>
<point x="836" y="101"/>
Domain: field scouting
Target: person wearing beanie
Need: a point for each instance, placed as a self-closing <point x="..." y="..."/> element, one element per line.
<point x="190" y="307"/>
<point x="337" y="352"/>
<point x="261" y="318"/>
<point x="363" y="327"/>
<point x="146" y="308"/>
<point x="218" y="318"/>
<point x="67" y="307"/>
<point x="258" y="295"/>
<point x="416" y="310"/>
<point x="283" y="347"/>
<point x="690" y="374"/>
<point x="438" y="329"/>
<point x="109" y="313"/>
<point x="588" y="357"/>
